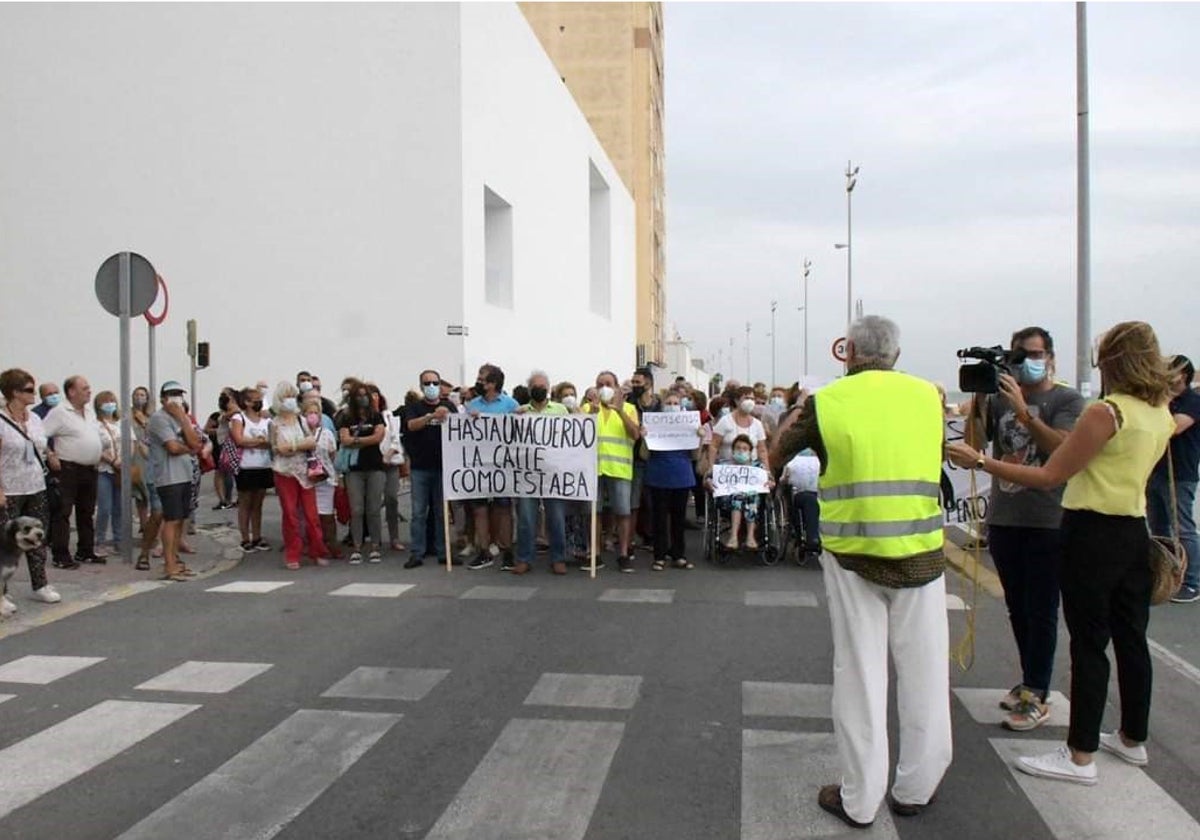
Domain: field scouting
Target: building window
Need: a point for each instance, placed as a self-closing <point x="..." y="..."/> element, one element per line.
<point x="497" y="249"/>
<point x="599" y="243"/>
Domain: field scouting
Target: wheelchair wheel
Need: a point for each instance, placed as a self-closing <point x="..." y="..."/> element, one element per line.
<point x="772" y="531"/>
<point x="711" y="526"/>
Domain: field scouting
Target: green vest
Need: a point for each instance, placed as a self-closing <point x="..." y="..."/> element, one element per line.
<point x="883" y="434"/>
<point x="614" y="449"/>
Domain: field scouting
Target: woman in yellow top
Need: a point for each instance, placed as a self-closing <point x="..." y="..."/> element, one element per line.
<point x="1105" y="576"/>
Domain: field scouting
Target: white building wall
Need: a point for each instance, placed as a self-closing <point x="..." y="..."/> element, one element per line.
<point x="526" y="140"/>
<point x="299" y="176"/>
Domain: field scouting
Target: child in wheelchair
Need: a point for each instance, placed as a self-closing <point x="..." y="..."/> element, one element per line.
<point x="804" y="509"/>
<point x="743" y="507"/>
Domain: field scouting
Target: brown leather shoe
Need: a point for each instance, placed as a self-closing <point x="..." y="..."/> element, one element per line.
<point x="521" y="568"/>
<point x="830" y="799"/>
<point x="558" y="568"/>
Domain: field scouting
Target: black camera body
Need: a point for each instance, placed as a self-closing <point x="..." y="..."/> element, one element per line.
<point x="983" y="377"/>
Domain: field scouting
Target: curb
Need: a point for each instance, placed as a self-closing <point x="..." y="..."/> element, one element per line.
<point x="967" y="565"/>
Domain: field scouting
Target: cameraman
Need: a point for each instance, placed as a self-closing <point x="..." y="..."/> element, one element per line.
<point x="1026" y="421"/>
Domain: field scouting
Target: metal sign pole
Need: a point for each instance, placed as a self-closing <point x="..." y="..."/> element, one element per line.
<point x="126" y="431"/>
<point x="153" y="367"/>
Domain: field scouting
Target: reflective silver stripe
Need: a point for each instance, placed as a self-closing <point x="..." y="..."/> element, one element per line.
<point x="875" y="489"/>
<point x="616" y="459"/>
<point x="623" y="441"/>
<point x="903" y="528"/>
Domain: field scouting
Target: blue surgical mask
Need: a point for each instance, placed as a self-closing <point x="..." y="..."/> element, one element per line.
<point x="108" y="408"/>
<point x="671" y="407"/>
<point x="430" y="391"/>
<point x="686" y="402"/>
<point x="1032" y="371"/>
<point x="742" y="457"/>
<point x="726" y="411"/>
<point x="53" y="400"/>
<point x="777" y="402"/>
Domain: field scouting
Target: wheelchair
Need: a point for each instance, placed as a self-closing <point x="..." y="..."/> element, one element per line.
<point x="771" y="522"/>
<point x="795" y="537"/>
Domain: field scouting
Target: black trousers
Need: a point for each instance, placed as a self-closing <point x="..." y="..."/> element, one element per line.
<point x="670" y="516"/>
<point x="1106" y="581"/>
<point x="34" y="505"/>
<point x="77" y="483"/>
<point x="1027" y="560"/>
<point x="806" y="506"/>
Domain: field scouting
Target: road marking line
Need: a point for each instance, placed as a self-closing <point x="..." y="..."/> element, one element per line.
<point x="542" y="778"/>
<point x="54" y="756"/>
<point x="1125" y="802"/>
<point x="250" y="587"/>
<point x="374" y="590"/>
<point x="983" y="705"/>
<point x="205" y="677"/>
<point x="5" y="697"/>
<point x="1174" y="661"/>
<point x="499" y="593"/>
<point x="590" y="691"/>
<point x="954" y="602"/>
<point x="368" y="683"/>
<point x="42" y="670"/>
<point x="265" y="786"/>
<point x="778" y="699"/>
<point x="781" y="599"/>
<point x="638" y="596"/>
<point x="781" y="774"/>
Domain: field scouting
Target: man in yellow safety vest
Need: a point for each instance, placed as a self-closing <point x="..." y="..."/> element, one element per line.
<point x="879" y="436"/>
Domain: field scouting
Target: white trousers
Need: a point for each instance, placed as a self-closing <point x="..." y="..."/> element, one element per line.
<point x="867" y="621"/>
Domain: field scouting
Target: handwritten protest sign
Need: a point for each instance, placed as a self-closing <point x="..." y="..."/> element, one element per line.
<point x="519" y="455"/>
<point x="734" y="479"/>
<point x="965" y="506"/>
<point x="670" y="431"/>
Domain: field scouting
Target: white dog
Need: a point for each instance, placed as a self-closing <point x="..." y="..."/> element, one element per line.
<point x="20" y="536"/>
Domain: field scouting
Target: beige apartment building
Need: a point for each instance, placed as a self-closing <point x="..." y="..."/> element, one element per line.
<point x="610" y="56"/>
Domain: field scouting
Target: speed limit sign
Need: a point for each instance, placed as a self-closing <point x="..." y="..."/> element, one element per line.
<point x="839" y="349"/>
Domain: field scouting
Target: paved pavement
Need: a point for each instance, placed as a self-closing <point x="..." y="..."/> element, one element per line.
<point x="370" y="702"/>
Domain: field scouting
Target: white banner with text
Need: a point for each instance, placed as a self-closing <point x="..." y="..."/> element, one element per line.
<point x="735" y="479"/>
<point x="671" y="431"/>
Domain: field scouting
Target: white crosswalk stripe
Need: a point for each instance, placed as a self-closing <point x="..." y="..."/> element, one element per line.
<point x="251" y="587"/>
<point x="776" y="699"/>
<point x="781" y="598"/>
<point x="373" y="590"/>
<point x="983" y="704"/>
<point x="265" y="786"/>
<point x="71" y="748"/>
<point x="542" y="778"/>
<point x="205" y="677"/>
<point x="4" y="697"/>
<point x="638" y="596"/>
<point x="1124" y="803"/>
<point x="589" y="691"/>
<point x="499" y="593"/>
<point x="369" y="683"/>
<point x="43" y="670"/>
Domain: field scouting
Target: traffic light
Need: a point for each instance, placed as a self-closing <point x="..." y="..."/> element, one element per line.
<point x="202" y="354"/>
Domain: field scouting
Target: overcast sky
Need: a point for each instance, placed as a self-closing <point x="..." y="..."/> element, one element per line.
<point x="962" y="118"/>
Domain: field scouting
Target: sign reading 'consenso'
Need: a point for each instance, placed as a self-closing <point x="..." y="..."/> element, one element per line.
<point x="519" y="455"/>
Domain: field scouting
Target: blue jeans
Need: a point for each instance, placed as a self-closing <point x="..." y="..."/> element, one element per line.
<point x="556" y="528"/>
<point x="426" y="501"/>
<point x="1028" y="561"/>
<point x="1160" y="517"/>
<point x="108" y="508"/>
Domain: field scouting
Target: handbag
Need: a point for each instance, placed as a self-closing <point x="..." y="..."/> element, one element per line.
<point x="1168" y="560"/>
<point x="346" y="459"/>
<point x="341" y="505"/>
<point x="53" y="491"/>
<point x="229" y="459"/>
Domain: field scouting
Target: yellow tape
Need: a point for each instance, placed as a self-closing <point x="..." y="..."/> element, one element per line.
<point x="963" y="653"/>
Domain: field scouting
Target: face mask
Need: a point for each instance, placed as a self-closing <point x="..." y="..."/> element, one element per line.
<point x="264" y="390"/>
<point x="606" y="394"/>
<point x="257" y="405"/>
<point x="672" y="407"/>
<point x="305" y="387"/>
<point x="725" y="412"/>
<point x="108" y="408"/>
<point x="746" y="405"/>
<point x="480" y="387"/>
<point x="313" y="420"/>
<point x="345" y="393"/>
<point x="289" y="405"/>
<point x="742" y="457"/>
<point x="53" y="400"/>
<point x="1032" y="371"/>
<point x="686" y="403"/>
<point x="363" y="401"/>
<point x="637" y="391"/>
<point x="538" y="393"/>
<point x="455" y="398"/>
<point x="175" y="400"/>
<point x="571" y="402"/>
<point x="430" y="391"/>
<point x="139" y="402"/>
<point x="777" y="402"/>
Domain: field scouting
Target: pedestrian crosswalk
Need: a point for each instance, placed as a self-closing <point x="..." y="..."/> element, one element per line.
<point x="541" y="774"/>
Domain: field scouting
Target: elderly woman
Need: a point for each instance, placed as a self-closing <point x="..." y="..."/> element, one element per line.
<point x="1105" y="579"/>
<point x="108" y="486"/>
<point x="22" y="475"/>
<point x="360" y="431"/>
<point x="312" y="411"/>
<point x="250" y="430"/>
<point x="670" y="478"/>
<point x="740" y="422"/>
<point x="291" y="443"/>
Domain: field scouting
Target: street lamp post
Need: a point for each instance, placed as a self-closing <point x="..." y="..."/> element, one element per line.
<point x="807" y="267"/>
<point x="851" y="180"/>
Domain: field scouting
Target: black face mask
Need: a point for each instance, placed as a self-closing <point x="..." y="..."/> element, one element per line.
<point x="637" y="391"/>
<point x="480" y="387"/>
<point x="257" y="405"/>
<point x="538" y="393"/>
<point x="223" y="402"/>
<point x="363" y="401"/>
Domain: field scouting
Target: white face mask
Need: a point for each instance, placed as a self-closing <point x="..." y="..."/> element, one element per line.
<point x="290" y="405"/>
<point x="777" y="402"/>
<point x="570" y="402"/>
<point x="305" y="387"/>
<point x="606" y="394"/>
<point x="672" y="407"/>
<point x="175" y="400"/>
<point x="746" y="405"/>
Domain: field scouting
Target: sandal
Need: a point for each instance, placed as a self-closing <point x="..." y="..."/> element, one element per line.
<point x="143" y="563"/>
<point x="682" y="563"/>
<point x="178" y="577"/>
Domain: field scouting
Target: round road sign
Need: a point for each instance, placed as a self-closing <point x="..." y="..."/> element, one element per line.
<point x="839" y="349"/>
<point x="143" y="285"/>
<point x="155" y="320"/>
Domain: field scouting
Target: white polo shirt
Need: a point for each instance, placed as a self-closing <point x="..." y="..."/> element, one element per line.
<point x="76" y="438"/>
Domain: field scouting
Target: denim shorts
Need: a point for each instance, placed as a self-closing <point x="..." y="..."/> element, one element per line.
<point x="615" y="495"/>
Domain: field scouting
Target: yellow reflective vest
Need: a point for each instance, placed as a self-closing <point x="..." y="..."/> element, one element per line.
<point x="883" y="433"/>
<point x="614" y="447"/>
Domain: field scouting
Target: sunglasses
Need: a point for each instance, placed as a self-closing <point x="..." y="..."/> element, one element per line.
<point x="28" y="390"/>
<point x="431" y="382"/>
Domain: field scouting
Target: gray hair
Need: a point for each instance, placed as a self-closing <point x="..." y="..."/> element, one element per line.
<point x="875" y="339"/>
<point x="535" y="373"/>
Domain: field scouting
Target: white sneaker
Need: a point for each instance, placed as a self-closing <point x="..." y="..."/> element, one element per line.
<point x="1058" y="765"/>
<point x="1111" y="742"/>
<point x="7" y="607"/>
<point x="47" y="595"/>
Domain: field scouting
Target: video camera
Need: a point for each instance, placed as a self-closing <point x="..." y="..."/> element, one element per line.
<point x="983" y="377"/>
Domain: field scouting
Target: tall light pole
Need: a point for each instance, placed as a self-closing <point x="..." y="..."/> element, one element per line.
<point x="1083" y="284"/>
<point x="851" y="180"/>
<point x="807" y="267"/>
<point x="773" y="379"/>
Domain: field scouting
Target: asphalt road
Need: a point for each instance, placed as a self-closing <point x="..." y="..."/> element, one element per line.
<point x="534" y="707"/>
